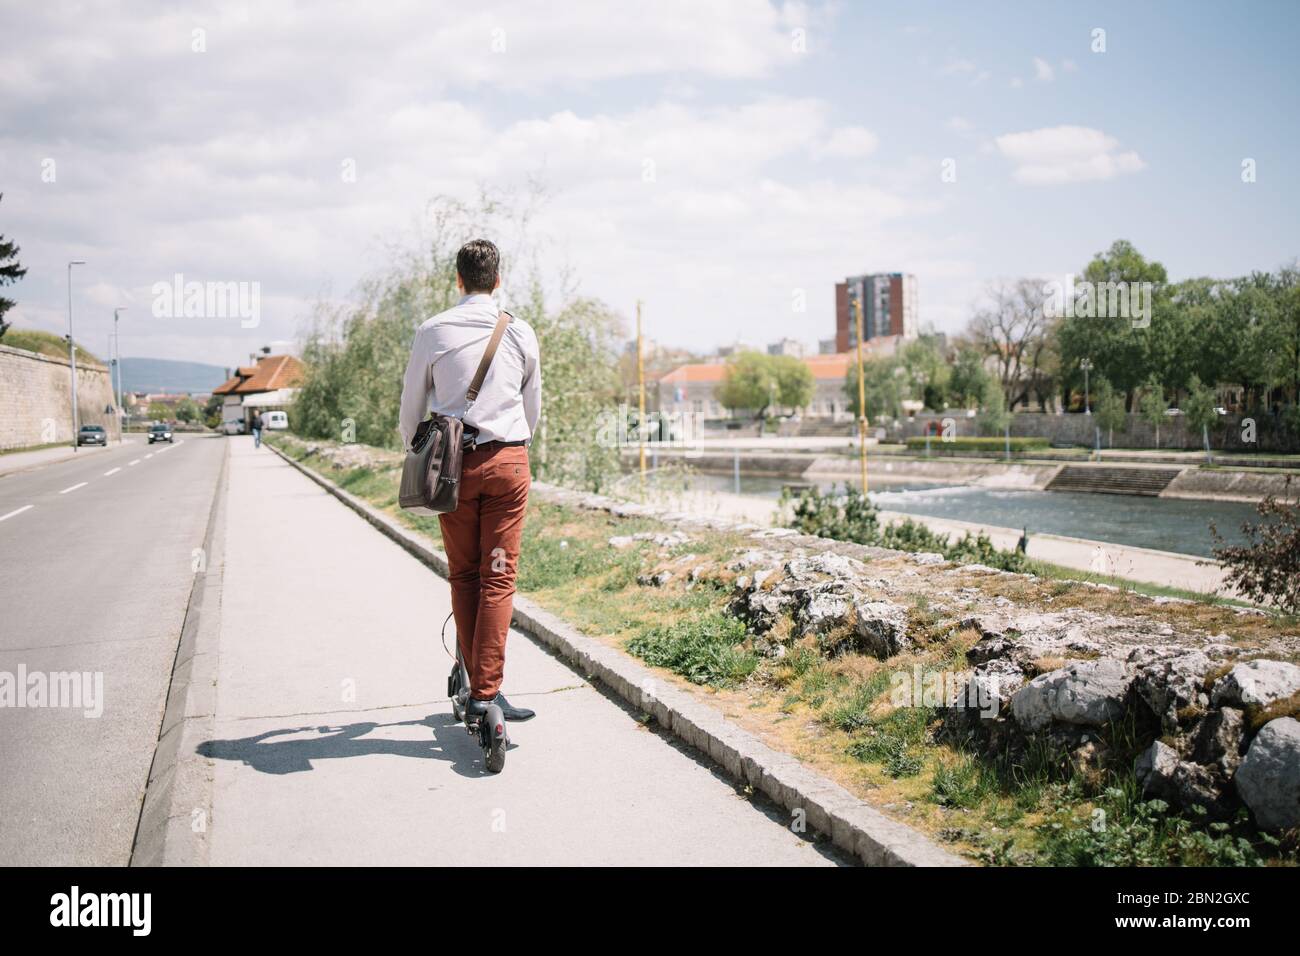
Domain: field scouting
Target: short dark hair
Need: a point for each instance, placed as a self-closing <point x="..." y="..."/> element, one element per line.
<point x="478" y="264"/>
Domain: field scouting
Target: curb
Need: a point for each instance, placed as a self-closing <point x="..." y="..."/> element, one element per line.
<point x="176" y="812"/>
<point x="852" y="825"/>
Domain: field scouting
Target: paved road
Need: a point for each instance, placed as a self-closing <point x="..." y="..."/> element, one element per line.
<point x="95" y="573"/>
<point x="334" y="744"/>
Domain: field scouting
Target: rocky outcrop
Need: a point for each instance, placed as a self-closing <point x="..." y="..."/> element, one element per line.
<point x="1257" y="683"/>
<point x="1269" y="777"/>
<point x="882" y="627"/>
<point x="1089" y="693"/>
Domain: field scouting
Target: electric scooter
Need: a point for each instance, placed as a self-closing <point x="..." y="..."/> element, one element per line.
<point x="490" y="728"/>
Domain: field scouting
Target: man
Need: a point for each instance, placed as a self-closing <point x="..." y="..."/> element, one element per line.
<point x="257" y="429"/>
<point x="481" y="536"/>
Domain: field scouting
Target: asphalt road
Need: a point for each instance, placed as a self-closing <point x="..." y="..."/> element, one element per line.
<point x="96" y="558"/>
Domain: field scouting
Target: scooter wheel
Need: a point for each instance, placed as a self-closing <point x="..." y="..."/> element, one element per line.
<point x="493" y="730"/>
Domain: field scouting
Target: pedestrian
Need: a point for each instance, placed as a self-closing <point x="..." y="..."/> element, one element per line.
<point x="481" y="537"/>
<point x="256" y="425"/>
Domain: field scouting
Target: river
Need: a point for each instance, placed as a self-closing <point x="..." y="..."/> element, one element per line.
<point x="1165" y="524"/>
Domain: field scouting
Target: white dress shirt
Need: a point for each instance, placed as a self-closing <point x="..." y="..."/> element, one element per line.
<point x="446" y="354"/>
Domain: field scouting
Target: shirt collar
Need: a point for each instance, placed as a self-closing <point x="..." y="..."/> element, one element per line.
<point x="476" y="297"/>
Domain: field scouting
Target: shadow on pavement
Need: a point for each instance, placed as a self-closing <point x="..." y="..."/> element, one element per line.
<point x="266" y="754"/>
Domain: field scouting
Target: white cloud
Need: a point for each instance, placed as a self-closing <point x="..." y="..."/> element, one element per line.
<point x="1043" y="70"/>
<point x="1017" y="82"/>
<point x="849" y="142"/>
<point x="231" y="169"/>
<point x="1069" y="66"/>
<point x="959" y="124"/>
<point x="1066" y="154"/>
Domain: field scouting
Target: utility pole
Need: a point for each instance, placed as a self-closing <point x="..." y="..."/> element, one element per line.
<point x="640" y="387"/>
<point x="72" y="355"/>
<point x="117" y="361"/>
<point x="862" y="396"/>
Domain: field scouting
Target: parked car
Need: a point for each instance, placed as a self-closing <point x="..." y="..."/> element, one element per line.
<point x="160" y="432"/>
<point x="92" y="435"/>
<point x="233" y="426"/>
<point x="279" y="421"/>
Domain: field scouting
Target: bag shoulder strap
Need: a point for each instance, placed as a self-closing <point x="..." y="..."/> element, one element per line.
<point x="481" y="373"/>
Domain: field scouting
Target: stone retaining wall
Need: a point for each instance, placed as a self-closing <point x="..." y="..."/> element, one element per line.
<point x="36" y="398"/>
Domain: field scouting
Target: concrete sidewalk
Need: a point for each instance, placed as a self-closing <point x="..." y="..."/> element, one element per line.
<point x="334" y="742"/>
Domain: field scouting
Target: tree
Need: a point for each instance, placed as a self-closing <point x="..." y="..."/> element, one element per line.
<point x="1108" y="407"/>
<point x="1153" y="406"/>
<point x="927" y="370"/>
<point x="757" y="382"/>
<point x="886" y="386"/>
<point x="160" y="412"/>
<point x="187" y="410"/>
<point x="1012" y="328"/>
<point x="749" y="383"/>
<point x="794" y="381"/>
<point x="1118" y="346"/>
<point x="1200" y="409"/>
<point x="969" y="377"/>
<point x="994" y="417"/>
<point x="355" y="355"/>
<point x="212" y="411"/>
<point x="10" y="272"/>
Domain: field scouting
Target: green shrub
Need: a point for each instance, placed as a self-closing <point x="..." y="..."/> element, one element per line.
<point x="850" y="516"/>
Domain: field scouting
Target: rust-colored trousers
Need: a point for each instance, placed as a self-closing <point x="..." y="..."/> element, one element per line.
<point x="481" y="538"/>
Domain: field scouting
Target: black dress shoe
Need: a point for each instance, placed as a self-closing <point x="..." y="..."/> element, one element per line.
<point x="477" y="708"/>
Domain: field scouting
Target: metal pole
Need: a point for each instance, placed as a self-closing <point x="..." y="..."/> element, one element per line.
<point x="862" y="397"/>
<point x="117" y="350"/>
<point x="72" y="355"/>
<point x="640" y="386"/>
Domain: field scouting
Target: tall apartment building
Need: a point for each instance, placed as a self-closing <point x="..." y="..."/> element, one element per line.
<point x="888" y="307"/>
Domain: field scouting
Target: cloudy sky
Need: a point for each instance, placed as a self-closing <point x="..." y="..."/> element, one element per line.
<point x="721" y="160"/>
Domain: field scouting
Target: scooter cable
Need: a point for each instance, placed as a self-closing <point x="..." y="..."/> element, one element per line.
<point x="444" y="636"/>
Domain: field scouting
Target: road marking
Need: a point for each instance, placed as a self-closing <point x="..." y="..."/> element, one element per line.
<point x="150" y="455"/>
<point x="12" y="513"/>
<point x="74" y="487"/>
<point x="112" y="471"/>
<point x="130" y="463"/>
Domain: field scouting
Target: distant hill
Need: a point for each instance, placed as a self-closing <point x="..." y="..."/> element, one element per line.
<point x="165" y="375"/>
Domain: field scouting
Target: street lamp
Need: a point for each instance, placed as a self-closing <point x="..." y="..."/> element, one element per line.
<point x="72" y="354"/>
<point x="1086" y="365"/>
<point x="117" y="362"/>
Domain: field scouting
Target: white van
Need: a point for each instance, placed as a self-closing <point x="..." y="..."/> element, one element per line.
<point x="278" y="421"/>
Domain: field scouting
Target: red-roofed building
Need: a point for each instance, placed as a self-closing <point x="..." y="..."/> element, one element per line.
<point x="271" y="383"/>
<point x="691" y="389"/>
